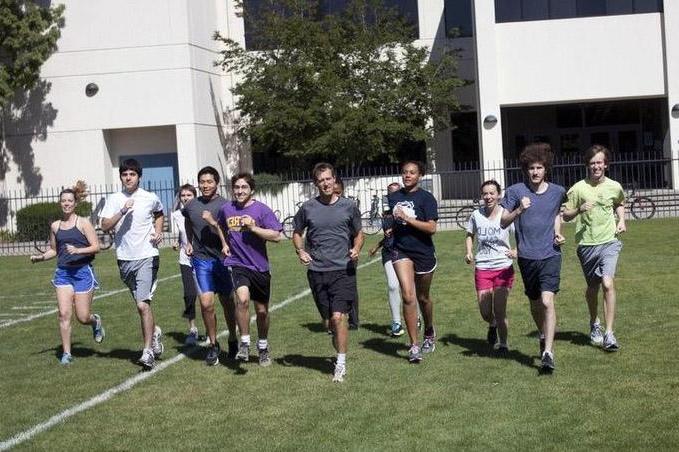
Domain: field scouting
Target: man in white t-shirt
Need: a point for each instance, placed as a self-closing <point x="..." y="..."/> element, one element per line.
<point x="137" y="217"/>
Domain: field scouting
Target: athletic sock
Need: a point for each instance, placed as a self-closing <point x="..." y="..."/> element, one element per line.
<point x="341" y="358"/>
<point x="262" y="344"/>
<point x="245" y="339"/>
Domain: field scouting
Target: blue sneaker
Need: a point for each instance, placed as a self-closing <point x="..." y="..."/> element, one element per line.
<point x="396" y="329"/>
<point x="98" y="331"/>
<point x="66" y="359"/>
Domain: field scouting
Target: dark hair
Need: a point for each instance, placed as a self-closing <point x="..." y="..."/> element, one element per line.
<point x="594" y="150"/>
<point x="209" y="170"/>
<point x="394" y="184"/>
<point x="187" y="187"/>
<point x="420" y="166"/>
<point x="130" y="165"/>
<point x="247" y="177"/>
<point x="320" y="167"/>
<point x="537" y="153"/>
<point x="494" y="183"/>
<point x="340" y="182"/>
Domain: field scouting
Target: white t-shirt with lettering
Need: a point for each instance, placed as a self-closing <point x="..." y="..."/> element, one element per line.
<point x="134" y="231"/>
<point x="492" y="242"/>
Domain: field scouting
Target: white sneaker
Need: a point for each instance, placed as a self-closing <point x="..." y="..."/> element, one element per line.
<point x="156" y="344"/>
<point x="147" y="360"/>
<point x="596" y="333"/>
<point x="340" y="372"/>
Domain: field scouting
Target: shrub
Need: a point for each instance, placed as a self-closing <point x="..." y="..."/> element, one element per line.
<point x="269" y="183"/>
<point x="33" y="221"/>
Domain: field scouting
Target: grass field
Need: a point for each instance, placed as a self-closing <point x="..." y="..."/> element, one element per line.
<point x="461" y="397"/>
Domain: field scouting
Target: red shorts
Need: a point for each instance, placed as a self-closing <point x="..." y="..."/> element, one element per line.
<point x="492" y="279"/>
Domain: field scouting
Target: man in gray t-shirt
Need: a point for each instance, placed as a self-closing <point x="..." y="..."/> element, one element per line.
<point x="204" y="247"/>
<point x="333" y="242"/>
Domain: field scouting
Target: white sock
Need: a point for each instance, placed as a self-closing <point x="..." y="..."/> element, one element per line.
<point x="342" y="359"/>
<point x="262" y="344"/>
<point x="245" y="339"/>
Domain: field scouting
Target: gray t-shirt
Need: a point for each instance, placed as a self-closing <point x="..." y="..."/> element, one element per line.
<point x="492" y="242"/>
<point x="206" y="243"/>
<point x="535" y="226"/>
<point x="330" y="229"/>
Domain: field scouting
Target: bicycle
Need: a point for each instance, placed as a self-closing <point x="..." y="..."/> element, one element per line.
<point x="465" y="212"/>
<point x="641" y="207"/>
<point x="288" y="222"/>
<point x="371" y="220"/>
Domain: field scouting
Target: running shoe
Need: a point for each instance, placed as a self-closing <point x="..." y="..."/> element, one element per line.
<point x="156" y="342"/>
<point x="547" y="364"/>
<point x="492" y="335"/>
<point x="415" y="354"/>
<point x="340" y="372"/>
<point x="191" y="338"/>
<point x="212" y="358"/>
<point x="264" y="357"/>
<point x="596" y="333"/>
<point x="243" y="352"/>
<point x="429" y="344"/>
<point x="98" y="331"/>
<point x="396" y="329"/>
<point x="501" y="348"/>
<point x="610" y="343"/>
<point x="66" y="359"/>
<point x="147" y="360"/>
<point x="233" y="350"/>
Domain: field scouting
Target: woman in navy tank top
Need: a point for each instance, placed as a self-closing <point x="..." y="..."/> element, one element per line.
<point x="74" y="243"/>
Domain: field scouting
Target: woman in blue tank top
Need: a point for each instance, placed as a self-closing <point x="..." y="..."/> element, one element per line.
<point x="74" y="243"/>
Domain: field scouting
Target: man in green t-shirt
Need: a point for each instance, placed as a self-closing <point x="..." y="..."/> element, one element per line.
<point x="596" y="201"/>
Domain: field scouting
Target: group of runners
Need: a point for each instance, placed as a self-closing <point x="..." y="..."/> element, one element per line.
<point x="222" y="251"/>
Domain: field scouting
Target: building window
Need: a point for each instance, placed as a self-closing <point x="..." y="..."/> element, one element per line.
<point x="458" y="15"/>
<point x="525" y="10"/>
<point x="255" y="9"/>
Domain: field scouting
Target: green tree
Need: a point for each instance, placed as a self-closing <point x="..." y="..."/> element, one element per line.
<point x="350" y="87"/>
<point x="28" y="36"/>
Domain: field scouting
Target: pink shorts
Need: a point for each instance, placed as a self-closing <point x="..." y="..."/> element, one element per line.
<point x="492" y="279"/>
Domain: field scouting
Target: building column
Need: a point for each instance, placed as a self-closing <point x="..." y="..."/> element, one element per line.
<point x="490" y="132"/>
<point x="671" y="25"/>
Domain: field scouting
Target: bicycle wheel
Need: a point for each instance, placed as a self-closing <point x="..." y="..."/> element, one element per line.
<point x="642" y="208"/>
<point x="371" y="224"/>
<point x="462" y="216"/>
<point x="105" y="239"/>
<point x="288" y="227"/>
<point x="41" y="245"/>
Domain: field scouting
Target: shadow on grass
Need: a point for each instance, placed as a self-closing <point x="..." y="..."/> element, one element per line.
<point x="320" y="363"/>
<point x="479" y="347"/>
<point x="314" y="327"/>
<point x="574" y="337"/>
<point x="199" y="353"/>
<point x="382" y="330"/>
<point x="385" y="347"/>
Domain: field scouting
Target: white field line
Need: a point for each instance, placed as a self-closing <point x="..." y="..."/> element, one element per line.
<point x="130" y="382"/>
<point x="54" y="311"/>
<point x="19" y="308"/>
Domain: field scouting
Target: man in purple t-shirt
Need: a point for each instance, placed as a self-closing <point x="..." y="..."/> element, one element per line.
<point x="534" y="208"/>
<point x="245" y="226"/>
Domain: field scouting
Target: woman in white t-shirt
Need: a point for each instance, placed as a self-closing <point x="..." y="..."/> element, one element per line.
<point x="186" y="193"/>
<point x="494" y="273"/>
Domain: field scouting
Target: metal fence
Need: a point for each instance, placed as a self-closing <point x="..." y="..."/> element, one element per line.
<point x="647" y="180"/>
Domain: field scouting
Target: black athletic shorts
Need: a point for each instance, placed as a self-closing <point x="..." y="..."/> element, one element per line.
<point x="333" y="291"/>
<point x="540" y="275"/>
<point x="259" y="283"/>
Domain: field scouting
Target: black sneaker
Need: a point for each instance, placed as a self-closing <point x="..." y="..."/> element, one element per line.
<point x="547" y="364"/>
<point x="492" y="335"/>
<point x="233" y="349"/>
<point x="212" y="358"/>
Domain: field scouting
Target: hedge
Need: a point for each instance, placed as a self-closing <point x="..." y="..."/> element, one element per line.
<point x="33" y="222"/>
